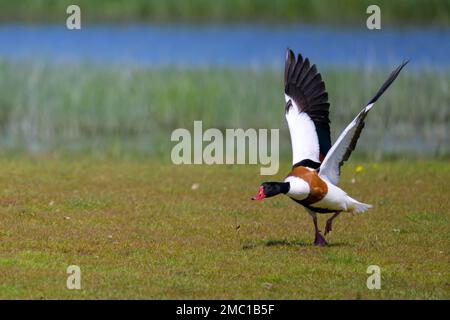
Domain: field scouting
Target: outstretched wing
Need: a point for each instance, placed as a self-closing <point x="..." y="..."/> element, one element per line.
<point x="346" y="143"/>
<point x="307" y="110"/>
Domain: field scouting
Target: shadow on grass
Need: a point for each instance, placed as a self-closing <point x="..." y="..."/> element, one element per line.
<point x="289" y="243"/>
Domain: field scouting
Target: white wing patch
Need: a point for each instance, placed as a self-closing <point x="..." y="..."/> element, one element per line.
<point x="304" y="140"/>
<point x="329" y="169"/>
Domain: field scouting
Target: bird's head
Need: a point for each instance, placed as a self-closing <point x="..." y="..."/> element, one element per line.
<point x="270" y="189"/>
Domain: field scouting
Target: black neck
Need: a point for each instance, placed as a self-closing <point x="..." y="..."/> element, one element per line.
<point x="307" y="163"/>
<point x="285" y="186"/>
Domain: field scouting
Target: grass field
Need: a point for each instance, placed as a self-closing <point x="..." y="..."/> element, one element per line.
<point x="399" y="12"/>
<point x="116" y="110"/>
<point x="138" y="229"/>
<point x="86" y="180"/>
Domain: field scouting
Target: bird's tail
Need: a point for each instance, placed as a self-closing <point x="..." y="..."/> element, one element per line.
<point x="355" y="206"/>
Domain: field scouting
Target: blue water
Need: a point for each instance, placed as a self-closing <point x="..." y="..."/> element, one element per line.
<point x="236" y="46"/>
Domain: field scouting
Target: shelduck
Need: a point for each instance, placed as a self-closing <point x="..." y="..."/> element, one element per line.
<point x="313" y="179"/>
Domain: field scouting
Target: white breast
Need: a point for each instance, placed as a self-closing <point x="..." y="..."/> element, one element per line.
<point x="299" y="188"/>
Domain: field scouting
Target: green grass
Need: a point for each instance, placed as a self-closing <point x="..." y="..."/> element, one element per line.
<point x="114" y="111"/>
<point x="138" y="230"/>
<point x="398" y="12"/>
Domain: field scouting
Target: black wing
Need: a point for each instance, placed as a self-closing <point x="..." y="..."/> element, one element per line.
<point x="303" y="84"/>
<point x="346" y="143"/>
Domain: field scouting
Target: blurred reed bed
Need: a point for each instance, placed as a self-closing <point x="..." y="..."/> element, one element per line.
<point x="131" y="111"/>
<point x="399" y="12"/>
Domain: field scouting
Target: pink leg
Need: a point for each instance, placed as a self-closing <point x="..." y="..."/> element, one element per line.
<point x="319" y="239"/>
<point x="328" y="226"/>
